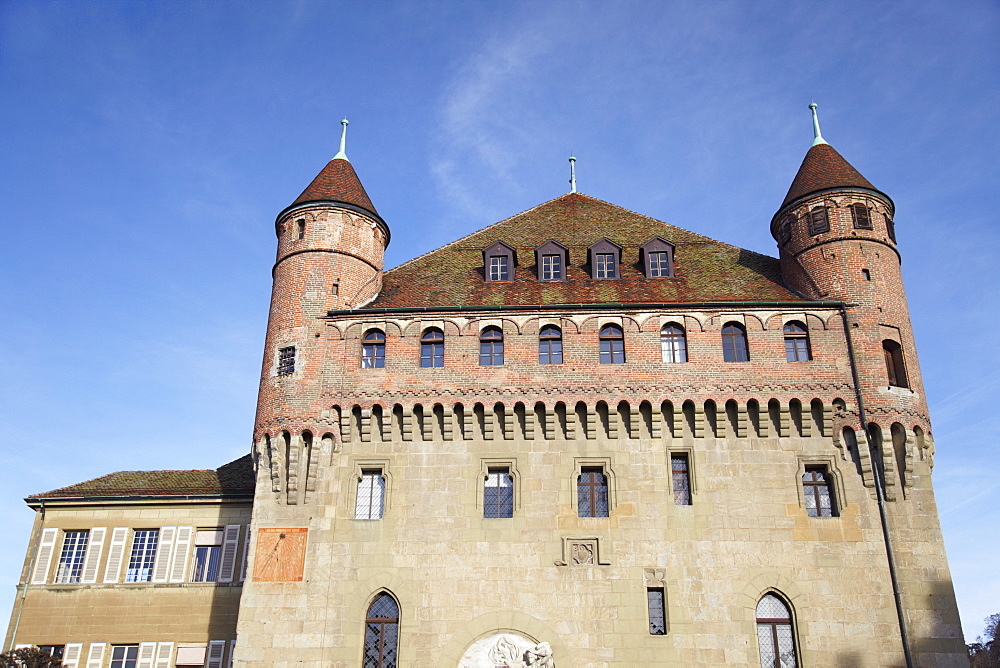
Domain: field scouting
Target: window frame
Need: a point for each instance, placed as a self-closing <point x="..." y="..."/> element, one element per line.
<point x="285" y="360"/>
<point x="812" y="489"/>
<point x="738" y="333"/>
<point x="358" y="472"/>
<point x="550" y="345"/>
<point x="487" y="463"/>
<point x="206" y="560"/>
<point x="549" y="249"/>
<point x="145" y="557"/>
<point x="687" y="495"/>
<point x="861" y="221"/>
<point x="657" y="245"/>
<point x="72" y="556"/>
<point x="895" y="364"/>
<point x="605" y="247"/>
<point x="502" y="507"/>
<point x="819" y="220"/>
<point x="652" y="593"/>
<point x="797" y="338"/>
<point x="609" y="353"/>
<point x="669" y="343"/>
<point x="124" y="661"/>
<point x="373" y="349"/>
<point x="592" y="501"/>
<point x="380" y="635"/>
<point x="497" y="250"/>
<point x="432" y="348"/>
<point x="834" y="482"/>
<point x="491" y="346"/>
<point x="773" y="623"/>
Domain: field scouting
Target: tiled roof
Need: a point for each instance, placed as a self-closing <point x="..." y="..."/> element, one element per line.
<point x="337" y="182"/>
<point x="706" y="270"/>
<point x="233" y="479"/>
<point x="824" y="168"/>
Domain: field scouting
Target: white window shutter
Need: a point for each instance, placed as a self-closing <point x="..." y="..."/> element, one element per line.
<point x="44" y="557"/>
<point x="71" y="654"/>
<point x="147" y="652"/>
<point x="182" y="546"/>
<point x="95" y="659"/>
<point x="164" y="550"/>
<point x="232" y="650"/>
<point x="246" y="555"/>
<point x="230" y="543"/>
<point x="115" y="553"/>
<point x="95" y="546"/>
<point x="23" y="645"/>
<point x="216" y="650"/>
<point x="164" y="652"/>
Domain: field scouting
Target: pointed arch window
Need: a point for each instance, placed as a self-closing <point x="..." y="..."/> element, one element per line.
<point x="734" y="343"/>
<point x="612" y="345"/>
<point x="550" y="348"/>
<point x="797" y="342"/>
<point x="491" y="347"/>
<point x="373" y="349"/>
<point x="381" y="633"/>
<point x="432" y="348"/>
<point x="894" y="366"/>
<point x="673" y="343"/>
<point x="775" y="637"/>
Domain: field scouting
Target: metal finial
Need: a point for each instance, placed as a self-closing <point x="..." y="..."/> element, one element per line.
<point x="341" y="154"/>
<point x="572" y="173"/>
<point x="817" y="135"/>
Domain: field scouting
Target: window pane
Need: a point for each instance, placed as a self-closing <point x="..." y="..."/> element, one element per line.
<point x="551" y="267"/>
<point x="499" y="270"/>
<point x="498" y="494"/>
<point x="673" y="344"/>
<point x="606" y="265"/>
<point x="371" y="496"/>
<point x="765" y="639"/>
<point x="657" y="611"/>
<point x="74" y="549"/>
<point x="659" y="264"/>
<point x="381" y="633"/>
<point x="592" y="493"/>
<point x="140" y="563"/>
<point x="206" y="563"/>
<point x="734" y="344"/>
<point x="680" y="479"/>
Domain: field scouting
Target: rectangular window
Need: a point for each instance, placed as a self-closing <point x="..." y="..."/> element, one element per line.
<point x="499" y="268"/>
<point x="124" y="656"/>
<point x="140" y="563"/>
<point x="656" y="603"/>
<point x="659" y="264"/>
<point x="286" y="361"/>
<point x="862" y="217"/>
<point x="208" y="549"/>
<point x="552" y="267"/>
<point x="371" y="495"/>
<point x="74" y="549"/>
<point x="55" y="651"/>
<point x="680" y="478"/>
<point x="301" y="223"/>
<point x="819" y="222"/>
<point x="816" y="489"/>
<point x="606" y="267"/>
<point x="592" y="492"/>
<point x="498" y="493"/>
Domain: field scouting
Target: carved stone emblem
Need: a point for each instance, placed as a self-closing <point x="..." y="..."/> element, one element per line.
<point x="507" y="650"/>
<point x="582" y="553"/>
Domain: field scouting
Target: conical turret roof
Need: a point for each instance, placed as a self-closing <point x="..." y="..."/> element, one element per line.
<point x="337" y="182"/>
<point x="822" y="169"/>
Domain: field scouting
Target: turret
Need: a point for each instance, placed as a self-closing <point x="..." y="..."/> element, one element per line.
<point x="331" y="245"/>
<point x="837" y="241"/>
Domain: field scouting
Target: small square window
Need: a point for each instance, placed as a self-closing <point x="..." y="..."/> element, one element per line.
<point x="606" y="266"/>
<point x="286" y="361"/>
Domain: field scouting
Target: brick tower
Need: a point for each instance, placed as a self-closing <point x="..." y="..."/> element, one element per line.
<point x="331" y="243"/>
<point x="837" y="241"/>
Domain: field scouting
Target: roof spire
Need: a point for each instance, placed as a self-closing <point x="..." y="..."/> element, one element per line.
<point x="343" y="142"/>
<point x="572" y="173"/>
<point x="817" y="136"/>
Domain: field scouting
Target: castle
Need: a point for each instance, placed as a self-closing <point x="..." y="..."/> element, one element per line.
<point x="577" y="437"/>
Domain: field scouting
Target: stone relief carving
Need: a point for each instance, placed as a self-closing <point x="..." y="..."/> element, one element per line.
<point x="583" y="553"/>
<point x="507" y="650"/>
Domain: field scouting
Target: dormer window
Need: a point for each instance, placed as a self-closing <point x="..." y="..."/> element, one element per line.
<point x="551" y="259"/>
<point x="605" y="259"/>
<point x="657" y="256"/>
<point x="498" y="262"/>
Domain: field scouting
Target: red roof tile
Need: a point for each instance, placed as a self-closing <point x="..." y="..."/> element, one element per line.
<point x="337" y="182"/>
<point x="706" y="270"/>
<point x="233" y="479"/>
<point x="824" y="168"/>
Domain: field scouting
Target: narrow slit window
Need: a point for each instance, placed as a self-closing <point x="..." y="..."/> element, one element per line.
<point x="890" y="228"/>
<point x="286" y="361"/>
<point x="656" y="604"/>
<point x="680" y="478"/>
<point x="866" y="274"/>
<point x="301" y="225"/>
<point x="894" y="366"/>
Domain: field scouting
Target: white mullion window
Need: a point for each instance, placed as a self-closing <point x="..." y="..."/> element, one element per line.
<point x="371" y="495"/>
<point x="74" y="550"/>
<point x="143" y="557"/>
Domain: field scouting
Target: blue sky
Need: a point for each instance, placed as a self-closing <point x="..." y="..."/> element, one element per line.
<point x="147" y="147"/>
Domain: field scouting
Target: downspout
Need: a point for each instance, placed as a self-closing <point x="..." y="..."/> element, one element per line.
<point x="875" y="454"/>
<point x="27" y="577"/>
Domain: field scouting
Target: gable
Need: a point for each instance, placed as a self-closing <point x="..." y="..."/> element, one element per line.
<point x="705" y="270"/>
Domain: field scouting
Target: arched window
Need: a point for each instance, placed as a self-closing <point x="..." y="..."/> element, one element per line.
<point x="432" y="348"/>
<point x="612" y="345"/>
<point x="550" y="345"/>
<point x="373" y="350"/>
<point x="491" y="347"/>
<point x="797" y="342"/>
<point x="774" y="633"/>
<point x="381" y="633"/>
<point x="734" y="343"/>
<point x="894" y="363"/>
<point x="673" y="343"/>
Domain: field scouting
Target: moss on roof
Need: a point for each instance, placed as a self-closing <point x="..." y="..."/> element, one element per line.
<point x="233" y="479"/>
<point x="706" y="270"/>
